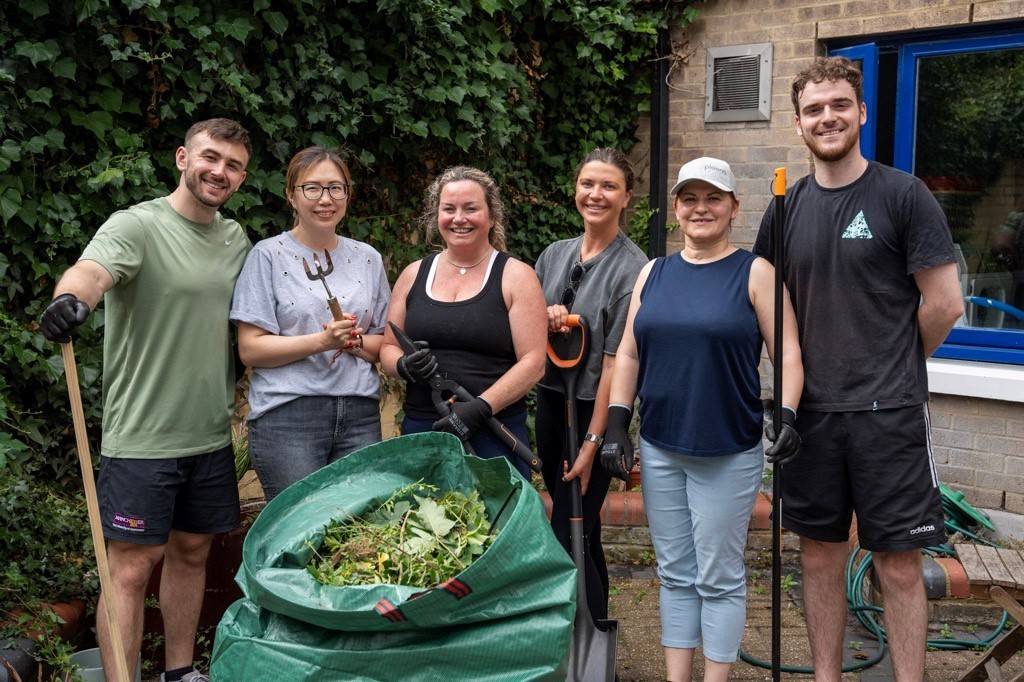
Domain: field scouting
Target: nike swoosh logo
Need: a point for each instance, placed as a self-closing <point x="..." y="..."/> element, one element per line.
<point x="227" y="242"/>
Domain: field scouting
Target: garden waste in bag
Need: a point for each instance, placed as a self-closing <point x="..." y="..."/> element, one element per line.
<point x="507" y="616"/>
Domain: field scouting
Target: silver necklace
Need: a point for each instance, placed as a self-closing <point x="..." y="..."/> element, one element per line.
<point x="463" y="268"/>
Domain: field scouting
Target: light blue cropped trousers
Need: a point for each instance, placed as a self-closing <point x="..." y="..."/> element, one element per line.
<point x="698" y="510"/>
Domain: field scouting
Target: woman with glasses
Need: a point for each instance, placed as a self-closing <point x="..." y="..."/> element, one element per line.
<point x="691" y="350"/>
<point x="477" y="316"/>
<point x="591" y="275"/>
<point x="314" y="388"/>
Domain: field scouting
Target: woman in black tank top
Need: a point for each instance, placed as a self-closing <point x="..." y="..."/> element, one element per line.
<point x="477" y="313"/>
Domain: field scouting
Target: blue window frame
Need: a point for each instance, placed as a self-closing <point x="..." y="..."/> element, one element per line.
<point x="897" y="78"/>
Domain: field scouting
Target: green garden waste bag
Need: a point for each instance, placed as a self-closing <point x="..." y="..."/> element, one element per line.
<point x="508" y="615"/>
<point x="255" y="645"/>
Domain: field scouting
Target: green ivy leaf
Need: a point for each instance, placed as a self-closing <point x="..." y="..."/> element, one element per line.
<point x="10" y="150"/>
<point x="99" y="122"/>
<point x="34" y="144"/>
<point x="358" y="80"/>
<point x="440" y="128"/>
<point x="464" y="140"/>
<point x="65" y="68"/>
<point x="86" y="9"/>
<point x="10" y="204"/>
<point x="37" y="8"/>
<point x="277" y="22"/>
<point x="40" y="96"/>
<point x="37" y="52"/>
<point x="238" y="28"/>
<point x="185" y="12"/>
<point x="108" y="100"/>
<point x="490" y="6"/>
<point x="105" y="176"/>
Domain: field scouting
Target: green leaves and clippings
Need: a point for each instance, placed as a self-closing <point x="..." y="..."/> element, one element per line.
<point x="418" y="537"/>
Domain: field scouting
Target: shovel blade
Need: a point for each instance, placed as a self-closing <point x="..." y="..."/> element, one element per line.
<point x="594" y="649"/>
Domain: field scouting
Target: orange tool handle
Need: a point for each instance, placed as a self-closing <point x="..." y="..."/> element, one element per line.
<point x="779" y="184"/>
<point x="568" y="363"/>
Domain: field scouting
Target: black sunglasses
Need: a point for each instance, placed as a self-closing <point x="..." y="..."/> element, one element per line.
<point x="575" y="275"/>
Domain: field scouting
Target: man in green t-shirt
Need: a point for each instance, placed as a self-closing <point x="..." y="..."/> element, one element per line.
<point x="166" y="269"/>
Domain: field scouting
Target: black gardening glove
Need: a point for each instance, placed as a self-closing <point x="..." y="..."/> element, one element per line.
<point x="465" y="419"/>
<point x="419" y="365"/>
<point x="60" y="319"/>
<point x="617" y="451"/>
<point x="787" y="444"/>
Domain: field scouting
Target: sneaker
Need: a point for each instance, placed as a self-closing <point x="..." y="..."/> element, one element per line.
<point x="189" y="677"/>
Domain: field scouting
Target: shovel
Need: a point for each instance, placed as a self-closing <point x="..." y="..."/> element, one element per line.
<point x="594" y="644"/>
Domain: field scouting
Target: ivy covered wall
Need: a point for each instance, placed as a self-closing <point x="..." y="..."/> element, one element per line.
<point x="95" y="96"/>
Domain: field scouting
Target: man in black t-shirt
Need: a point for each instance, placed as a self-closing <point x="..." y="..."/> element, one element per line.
<point x="870" y="265"/>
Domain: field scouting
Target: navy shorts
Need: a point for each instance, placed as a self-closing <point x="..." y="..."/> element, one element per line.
<point x="142" y="500"/>
<point x="877" y="464"/>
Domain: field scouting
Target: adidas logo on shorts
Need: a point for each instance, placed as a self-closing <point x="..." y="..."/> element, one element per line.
<point x="923" y="529"/>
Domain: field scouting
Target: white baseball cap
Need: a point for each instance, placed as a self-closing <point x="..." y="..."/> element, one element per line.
<point x="714" y="171"/>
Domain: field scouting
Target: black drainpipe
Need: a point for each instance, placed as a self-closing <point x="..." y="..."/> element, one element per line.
<point x="659" y="147"/>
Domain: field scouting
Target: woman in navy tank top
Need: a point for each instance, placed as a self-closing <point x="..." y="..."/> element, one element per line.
<point x="690" y="352"/>
<point x="477" y="315"/>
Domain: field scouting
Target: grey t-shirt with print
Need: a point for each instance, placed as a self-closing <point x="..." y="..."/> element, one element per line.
<point x="602" y="299"/>
<point x="274" y="293"/>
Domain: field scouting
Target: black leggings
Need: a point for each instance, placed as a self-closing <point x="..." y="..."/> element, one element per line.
<point x="551" y="437"/>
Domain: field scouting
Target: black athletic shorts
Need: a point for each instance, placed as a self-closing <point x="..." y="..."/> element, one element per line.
<point x="878" y="464"/>
<point x="141" y="500"/>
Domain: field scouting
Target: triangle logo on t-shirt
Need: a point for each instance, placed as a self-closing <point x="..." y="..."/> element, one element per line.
<point x="858" y="229"/>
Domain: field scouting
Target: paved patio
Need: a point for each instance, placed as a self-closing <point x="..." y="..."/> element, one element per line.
<point x="634" y="603"/>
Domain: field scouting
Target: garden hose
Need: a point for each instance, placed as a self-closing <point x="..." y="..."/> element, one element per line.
<point x="958" y="517"/>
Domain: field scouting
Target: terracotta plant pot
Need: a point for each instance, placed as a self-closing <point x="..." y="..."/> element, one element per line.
<point x="72" y="613"/>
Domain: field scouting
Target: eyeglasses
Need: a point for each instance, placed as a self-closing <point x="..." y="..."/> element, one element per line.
<point x="314" y="191"/>
<point x="569" y="293"/>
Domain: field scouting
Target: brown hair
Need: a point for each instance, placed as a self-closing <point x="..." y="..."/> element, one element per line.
<point x="612" y="157"/>
<point x="221" y="129"/>
<point x="832" y="69"/>
<point x="432" y="202"/>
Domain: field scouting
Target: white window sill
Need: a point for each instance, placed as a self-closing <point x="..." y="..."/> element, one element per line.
<point x="976" y="379"/>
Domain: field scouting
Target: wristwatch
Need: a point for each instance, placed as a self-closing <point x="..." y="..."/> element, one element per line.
<point x="596" y="440"/>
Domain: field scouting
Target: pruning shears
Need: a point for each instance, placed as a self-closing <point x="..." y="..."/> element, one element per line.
<point x="445" y="392"/>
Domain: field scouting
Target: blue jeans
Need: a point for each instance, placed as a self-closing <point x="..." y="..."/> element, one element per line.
<point x="485" y="443"/>
<point x="698" y="510"/>
<point x="304" y="435"/>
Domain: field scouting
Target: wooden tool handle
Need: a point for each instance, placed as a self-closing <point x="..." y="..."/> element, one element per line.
<point x="92" y="503"/>
<point x="335" y="309"/>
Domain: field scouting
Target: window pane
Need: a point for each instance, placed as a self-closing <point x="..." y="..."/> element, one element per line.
<point x="969" y="150"/>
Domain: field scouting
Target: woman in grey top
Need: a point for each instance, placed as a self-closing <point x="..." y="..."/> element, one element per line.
<point x="591" y="275"/>
<point x="314" y="390"/>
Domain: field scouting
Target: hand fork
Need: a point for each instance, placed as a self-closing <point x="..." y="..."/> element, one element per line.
<point x="321" y="274"/>
<point x="332" y="302"/>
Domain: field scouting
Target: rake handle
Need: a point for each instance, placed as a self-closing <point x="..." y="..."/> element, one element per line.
<point x="779" y="217"/>
<point x="92" y="504"/>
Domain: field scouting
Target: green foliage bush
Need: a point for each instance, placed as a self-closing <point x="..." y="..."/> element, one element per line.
<point x="45" y="544"/>
<point x="95" y="96"/>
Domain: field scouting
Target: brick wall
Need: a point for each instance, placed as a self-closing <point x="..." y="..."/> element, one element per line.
<point x="979" y="449"/>
<point x="979" y="443"/>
